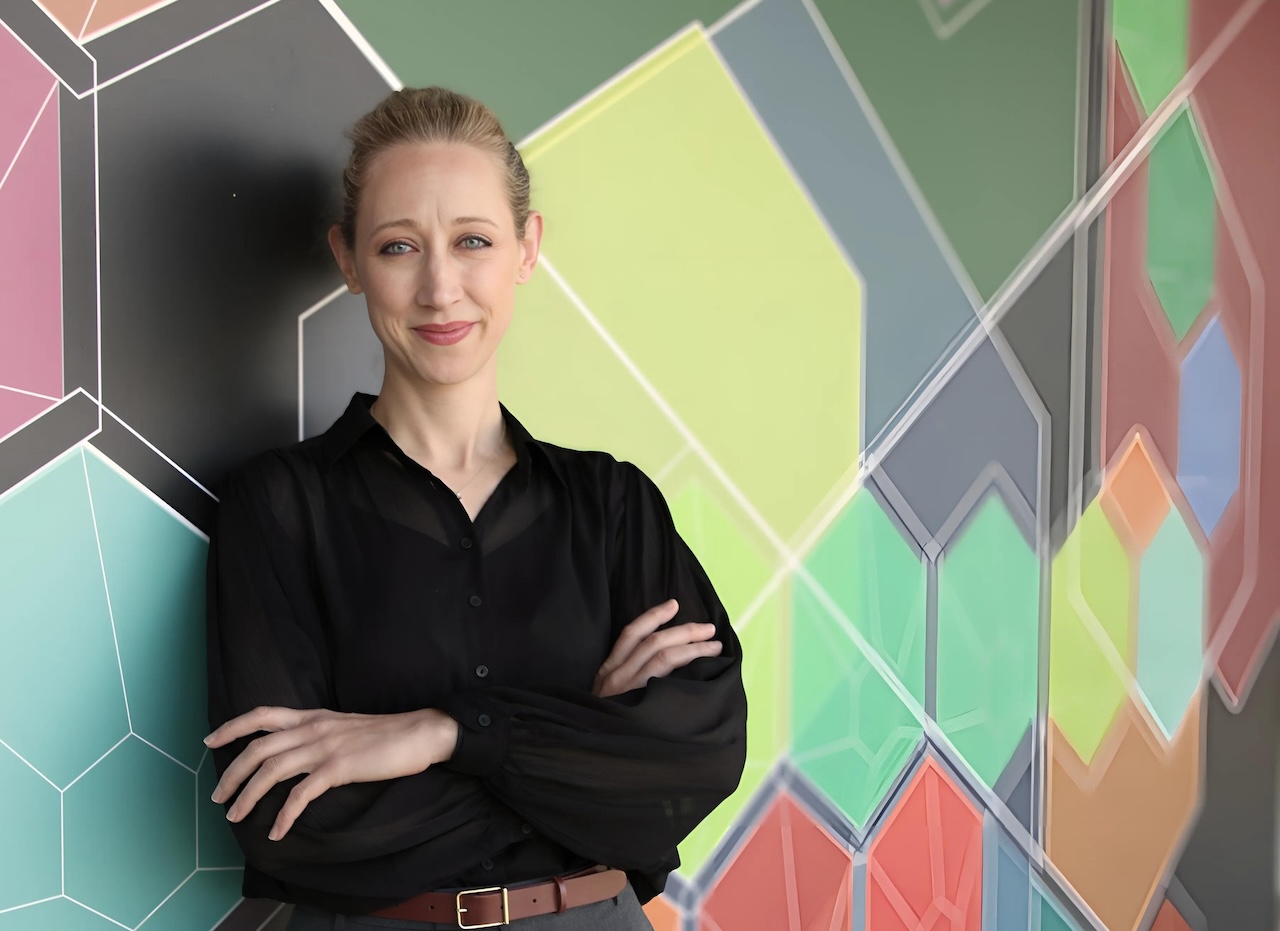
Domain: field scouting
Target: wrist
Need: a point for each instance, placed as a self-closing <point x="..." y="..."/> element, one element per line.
<point x="440" y="735"/>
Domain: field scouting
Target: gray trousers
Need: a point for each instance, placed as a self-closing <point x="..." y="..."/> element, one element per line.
<point x="622" y="913"/>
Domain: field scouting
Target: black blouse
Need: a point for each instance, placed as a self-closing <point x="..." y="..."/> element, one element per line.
<point x="343" y="575"/>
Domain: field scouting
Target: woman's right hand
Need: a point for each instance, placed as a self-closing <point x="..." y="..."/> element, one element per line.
<point x="643" y="652"/>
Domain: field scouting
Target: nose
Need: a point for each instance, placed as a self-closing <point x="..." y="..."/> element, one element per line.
<point x="440" y="281"/>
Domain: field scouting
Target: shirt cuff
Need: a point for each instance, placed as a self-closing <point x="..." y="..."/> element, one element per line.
<point x="482" y="736"/>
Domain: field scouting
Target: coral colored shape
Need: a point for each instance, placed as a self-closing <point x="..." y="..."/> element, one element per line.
<point x="1168" y="919"/>
<point x="663" y="915"/>
<point x="1134" y="497"/>
<point x="925" y="867"/>
<point x="789" y="873"/>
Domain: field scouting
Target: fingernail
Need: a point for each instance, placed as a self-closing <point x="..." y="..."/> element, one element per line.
<point x="208" y="740"/>
<point x="274" y="834"/>
<point x="214" y="797"/>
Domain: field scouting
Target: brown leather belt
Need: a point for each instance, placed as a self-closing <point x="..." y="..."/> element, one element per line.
<point x="498" y="905"/>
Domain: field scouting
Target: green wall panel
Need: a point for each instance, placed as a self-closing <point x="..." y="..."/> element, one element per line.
<point x="984" y="119"/>
<point x="528" y="61"/>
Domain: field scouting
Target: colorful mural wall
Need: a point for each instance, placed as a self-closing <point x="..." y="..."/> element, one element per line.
<point x="950" y="329"/>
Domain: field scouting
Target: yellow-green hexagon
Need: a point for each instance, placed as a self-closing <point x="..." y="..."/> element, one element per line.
<point x="879" y="581"/>
<point x="129" y="837"/>
<point x="684" y="235"/>
<point x="851" y="732"/>
<point x="1170" y="622"/>
<point x="766" y="668"/>
<point x="31" y="821"/>
<point x="1090" y="631"/>
<point x="988" y="639"/>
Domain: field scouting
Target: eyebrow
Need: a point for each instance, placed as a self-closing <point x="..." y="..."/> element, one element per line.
<point x="458" y="221"/>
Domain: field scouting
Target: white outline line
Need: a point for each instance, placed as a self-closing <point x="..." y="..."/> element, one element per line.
<point x="97" y="246"/>
<point x="96" y="912"/>
<point x="79" y="40"/>
<point x="729" y="18"/>
<point x="591" y="96"/>
<point x="165" y="899"/>
<point x="385" y="71"/>
<point x="302" y="381"/>
<point x="18" y="908"/>
<point x="182" y="46"/>
<point x="68" y="786"/>
<point x="164" y="753"/>
<point x="945" y="29"/>
<point x="57" y="22"/>
<point x="155" y="449"/>
<point x="269" y="918"/>
<point x="147" y="492"/>
<point x="86" y="37"/>
<point x="30" y="130"/>
<point x="27" y="423"/>
<point x="22" y="759"/>
<point x="28" y="480"/>
<point x="52" y="73"/>
<point x="106" y="588"/>
<point x="30" y="394"/>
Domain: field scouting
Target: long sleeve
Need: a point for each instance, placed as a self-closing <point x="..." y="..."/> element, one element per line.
<point x="267" y="645"/>
<point x="621" y="780"/>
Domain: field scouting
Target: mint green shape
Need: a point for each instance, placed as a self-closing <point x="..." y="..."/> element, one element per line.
<point x="1182" y="219"/>
<point x="155" y="577"/>
<point x="722" y="545"/>
<point x="1170" y="621"/>
<point x="527" y="60"/>
<point x="985" y="120"/>
<point x="56" y="915"/>
<point x="31" y="828"/>
<point x="1091" y="578"/>
<point x="57" y="652"/>
<point x="879" y="582"/>
<point x="851" y="733"/>
<point x="129" y="837"/>
<point x="1051" y="917"/>
<point x="217" y="845"/>
<point x="988" y="639"/>
<point x="200" y="904"/>
<point x="1152" y="36"/>
<point x="681" y="231"/>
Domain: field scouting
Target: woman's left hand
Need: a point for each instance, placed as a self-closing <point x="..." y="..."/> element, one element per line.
<point x="333" y="748"/>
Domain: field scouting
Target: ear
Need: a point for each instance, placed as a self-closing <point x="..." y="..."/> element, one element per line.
<point x="346" y="261"/>
<point x="530" y="246"/>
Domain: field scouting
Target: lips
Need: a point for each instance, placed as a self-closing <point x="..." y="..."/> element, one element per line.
<point x="445" y="334"/>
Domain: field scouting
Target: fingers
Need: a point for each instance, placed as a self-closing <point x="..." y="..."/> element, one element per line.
<point x="274" y="770"/>
<point x="635" y="632"/>
<point x="258" y="751"/>
<point x="265" y="718"/>
<point x="303" y="794"/>
<point x="661" y="640"/>
<point x="658" y="655"/>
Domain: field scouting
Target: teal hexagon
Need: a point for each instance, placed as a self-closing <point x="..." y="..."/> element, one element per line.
<point x="1170" y="622"/>
<point x="1182" y="217"/>
<point x="1152" y="36"/>
<point x="155" y="569"/>
<point x="55" y="915"/>
<point x="129" y="837"/>
<point x="31" y="817"/>
<point x="217" y="848"/>
<point x="988" y="639"/>
<point x="57" y="649"/>
<point x="879" y="581"/>
<point x="852" y="733"/>
<point x="205" y="898"/>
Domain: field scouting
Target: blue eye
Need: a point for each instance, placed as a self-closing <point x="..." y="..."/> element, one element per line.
<point x="395" y="248"/>
<point x="474" y="242"/>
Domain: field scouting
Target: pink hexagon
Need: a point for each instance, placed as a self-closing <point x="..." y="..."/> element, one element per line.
<point x="30" y="238"/>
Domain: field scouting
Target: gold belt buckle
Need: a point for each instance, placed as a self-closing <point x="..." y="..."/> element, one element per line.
<point x="506" y="907"/>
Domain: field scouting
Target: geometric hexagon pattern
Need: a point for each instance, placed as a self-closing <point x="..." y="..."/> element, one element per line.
<point x="986" y="530"/>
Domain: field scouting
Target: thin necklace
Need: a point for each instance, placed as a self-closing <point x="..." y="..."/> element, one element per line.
<point x="502" y="443"/>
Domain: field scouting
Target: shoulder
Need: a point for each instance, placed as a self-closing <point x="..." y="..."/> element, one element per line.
<point x="278" y="479"/>
<point x="621" y="486"/>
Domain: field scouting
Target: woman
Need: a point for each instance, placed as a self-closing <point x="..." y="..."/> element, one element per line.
<point x="445" y="656"/>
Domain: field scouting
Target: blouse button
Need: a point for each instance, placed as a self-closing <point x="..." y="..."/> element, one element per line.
<point x="487" y="864"/>
<point x="475" y="601"/>
<point x="466" y="543"/>
<point x="526" y="829"/>
<point x="484" y="720"/>
<point x="482" y="671"/>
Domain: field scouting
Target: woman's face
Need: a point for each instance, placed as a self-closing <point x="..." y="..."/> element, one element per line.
<point x="437" y="258"/>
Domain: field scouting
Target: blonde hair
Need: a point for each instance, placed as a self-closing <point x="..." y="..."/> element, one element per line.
<point x="430" y="114"/>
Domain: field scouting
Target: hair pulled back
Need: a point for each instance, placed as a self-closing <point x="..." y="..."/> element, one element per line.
<point x="430" y="114"/>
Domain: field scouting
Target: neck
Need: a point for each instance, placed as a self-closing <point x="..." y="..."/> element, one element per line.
<point x="451" y="427"/>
